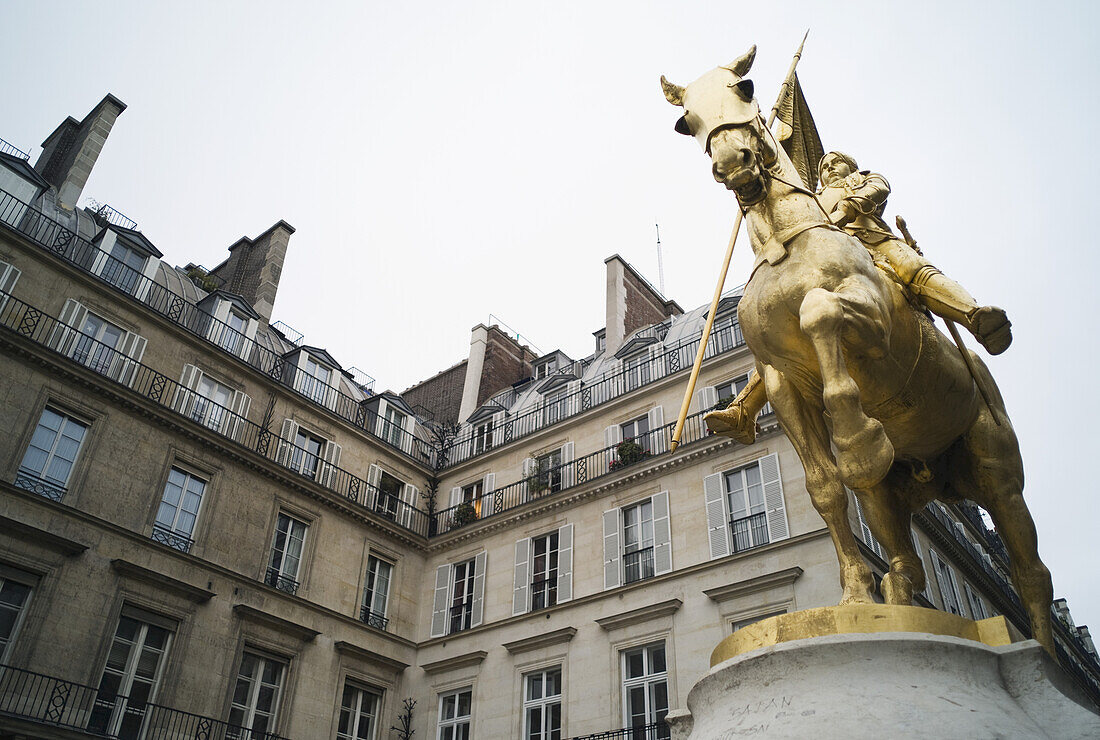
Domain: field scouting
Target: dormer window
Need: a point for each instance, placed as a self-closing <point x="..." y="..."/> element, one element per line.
<point x="393" y="428"/>
<point x="313" y="379"/>
<point x="546" y="369"/>
<point x="124" y="267"/>
<point x="125" y="259"/>
<point x="234" y="335"/>
<point x="234" y="323"/>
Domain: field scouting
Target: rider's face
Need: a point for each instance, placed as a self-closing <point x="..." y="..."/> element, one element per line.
<point x="834" y="169"/>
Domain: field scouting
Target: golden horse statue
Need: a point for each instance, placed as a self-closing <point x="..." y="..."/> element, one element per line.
<point x="850" y="366"/>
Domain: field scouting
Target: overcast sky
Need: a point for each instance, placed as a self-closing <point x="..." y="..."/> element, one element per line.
<point x="442" y="162"/>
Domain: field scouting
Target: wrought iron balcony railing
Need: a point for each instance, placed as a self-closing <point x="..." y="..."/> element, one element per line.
<point x="749" y="532"/>
<point x="62" y="242"/>
<point x="544" y="593"/>
<point x="30" y="482"/>
<point x="638" y="565"/>
<point x="275" y="579"/>
<point x="12" y="149"/>
<point x="54" y="702"/>
<point x="461" y="616"/>
<point x="373" y="619"/>
<point x="652" y="731"/>
<point x="24" y="320"/>
<point x="175" y="540"/>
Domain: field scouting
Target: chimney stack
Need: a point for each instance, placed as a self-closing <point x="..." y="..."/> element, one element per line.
<point x="632" y="303"/>
<point x="70" y="152"/>
<point x="254" y="266"/>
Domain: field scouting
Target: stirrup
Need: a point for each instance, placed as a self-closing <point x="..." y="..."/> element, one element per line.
<point x="991" y="327"/>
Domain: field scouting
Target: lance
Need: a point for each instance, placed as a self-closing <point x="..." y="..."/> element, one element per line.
<point x="679" y="430"/>
<point x="904" y="229"/>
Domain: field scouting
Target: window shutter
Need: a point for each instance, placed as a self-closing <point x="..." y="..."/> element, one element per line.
<point x="920" y="558"/>
<point x="714" y="498"/>
<point x="865" y="528"/>
<point x="374" y="478"/>
<point x="477" y="609"/>
<point x="528" y="471"/>
<point x="64" y="333"/>
<point x="568" y="470"/>
<point x="148" y="276"/>
<point x="456" y="496"/>
<point x="521" y="582"/>
<point x="490" y="483"/>
<point x="656" y="361"/>
<point x="379" y="423"/>
<point x="185" y="396"/>
<point x="9" y="276"/>
<point x="130" y="351"/>
<point x="565" y="563"/>
<point x="249" y="338"/>
<point x="406" y="514"/>
<point x="573" y="397"/>
<point x="498" y="429"/>
<point x="658" y="437"/>
<point x="662" y="534"/>
<point x="286" y="442"/>
<point x="240" y="405"/>
<point x="611" y="554"/>
<point x="612" y="436"/>
<point x="949" y="589"/>
<point x="775" y="512"/>
<point x="330" y="461"/>
<point x="442" y="597"/>
<point x="615" y="381"/>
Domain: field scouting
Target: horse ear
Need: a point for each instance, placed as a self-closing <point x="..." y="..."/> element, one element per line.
<point x="673" y="93"/>
<point x="743" y="63"/>
<point x="744" y="90"/>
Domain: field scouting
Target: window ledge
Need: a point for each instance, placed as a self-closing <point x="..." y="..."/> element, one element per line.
<point x="458" y="661"/>
<point x="370" y="656"/>
<point x="159" y="580"/>
<point x="638" y="616"/>
<point x="49" y="540"/>
<point x="541" y="640"/>
<point x="785" y="577"/>
<point x="251" y="614"/>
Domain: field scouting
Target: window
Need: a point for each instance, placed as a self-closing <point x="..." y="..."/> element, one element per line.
<point x="645" y="689"/>
<point x="179" y="508"/>
<point x="376" y="592"/>
<point x="748" y="521"/>
<point x="483" y="437"/>
<point x="306" y="454"/>
<point x="130" y="677"/>
<point x="636" y="431"/>
<point x="977" y="606"/>
<point x="638" y="542"/>
<point x="256" y="696"/>
<point x="454" y="715"/>
<point x="389" y="489"/>
<point x="286" y="553"/>
<point x="546" y="477"/>
<point x="313" y="379"/>
<point x="211" y="404"/>
<point x="9" y="276"/>
<point x="542" y="705"/>
<point x="546" y="369"/>
<point x="14" y="597"/>
<point x="462" y="597"/>
<point x="637" y="371"/>
<point x="554" y="406"/>
<point x="393" y="428"/>
<point x="949" y="588"/>
<point x="124" y="267"/>
<point x="51" y="454"/>
<point x="729" y="390"/>
<point x="98" y="343"/>
<point x="358" y="713"/>
<point x="232" y="334"/>
<point x="544" y="571"/>
<point x="473" y="494"/>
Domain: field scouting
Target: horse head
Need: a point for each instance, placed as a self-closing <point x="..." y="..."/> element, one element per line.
<point x="721" y="113"/>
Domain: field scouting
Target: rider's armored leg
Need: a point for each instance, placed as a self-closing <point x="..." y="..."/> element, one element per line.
<point x="738" y="420"/>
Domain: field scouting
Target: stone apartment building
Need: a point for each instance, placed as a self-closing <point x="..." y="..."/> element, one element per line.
<point x="209" y="528"/>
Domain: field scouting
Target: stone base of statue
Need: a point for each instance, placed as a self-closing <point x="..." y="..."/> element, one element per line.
<point x="872" y="670"/>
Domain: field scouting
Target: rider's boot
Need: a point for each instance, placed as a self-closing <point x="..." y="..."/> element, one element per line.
<point x="738" y="420"/>
<point x="949" y="300"/>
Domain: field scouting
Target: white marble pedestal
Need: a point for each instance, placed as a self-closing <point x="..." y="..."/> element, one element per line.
<point x="886" y="685"/>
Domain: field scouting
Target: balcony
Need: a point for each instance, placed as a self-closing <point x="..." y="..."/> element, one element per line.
<point x="54" y="702"/>
<point x="460" y="616"/>
<point x="749" y="532"/>
<point x="544" y="593"/>
<point x="373" y="619"/>
<point x="652" y="731"/>
<point x="175" y="540"/>
<point x="638" y="565"/>
<point x="284" y="583"/>
<point x="41" y="486"/>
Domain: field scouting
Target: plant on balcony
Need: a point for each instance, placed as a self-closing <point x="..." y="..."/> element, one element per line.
<point x="201" y="279"/>
<point x="628" y="453"/>
<point x="464" y="514"/>
<point x="539" y="479"/>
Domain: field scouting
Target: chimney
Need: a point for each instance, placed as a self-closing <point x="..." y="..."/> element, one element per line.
<point x="253" y="268"/>
<point x="632" y="303"/>
<point x="1086" y="637"/>
<point x="70" y="152"/>
<point x="496" y="362"/>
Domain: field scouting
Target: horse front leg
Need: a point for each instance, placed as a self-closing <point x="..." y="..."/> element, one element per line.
<point x="865" y="454"/>
<point x="805" y="427"/>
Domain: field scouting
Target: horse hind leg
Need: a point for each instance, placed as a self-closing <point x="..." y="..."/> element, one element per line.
<point x="865" y="454"/>
<point x="806" y="430"/>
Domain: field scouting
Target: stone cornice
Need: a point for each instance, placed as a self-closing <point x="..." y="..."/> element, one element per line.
<point x="369" y="656"/>
<point x="458" y="661"/>
<point x="785" y="577"/>
<point x="640" y="615"/>
<point x="49" y="540"/>
<point x="540" y="640"/>
<point x="161" y="581"/>
<point x="258" y="616"/>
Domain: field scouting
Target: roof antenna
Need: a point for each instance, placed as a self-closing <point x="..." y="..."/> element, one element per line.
<point x="660" y="261"/>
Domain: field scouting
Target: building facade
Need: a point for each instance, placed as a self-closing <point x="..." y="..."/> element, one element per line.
<point x="210" y="528"/>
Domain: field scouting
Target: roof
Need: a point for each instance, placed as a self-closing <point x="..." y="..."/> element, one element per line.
<point x="23" y="168"/>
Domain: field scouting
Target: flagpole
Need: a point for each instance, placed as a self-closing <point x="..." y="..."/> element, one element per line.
<point x="679" y="430"/>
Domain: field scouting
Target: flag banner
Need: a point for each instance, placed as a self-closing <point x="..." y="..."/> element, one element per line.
<point x="798" y="133"/>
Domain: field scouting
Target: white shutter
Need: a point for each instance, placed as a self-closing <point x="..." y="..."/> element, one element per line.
<point x="148" y="276"/>
<point x="240" y="405"/>
<point x="130" y="351"/>
<point x="64" y="333"/>
<point x="189" y="383"/>
<point x="498" y="429"/>
<point x="286" y="442"/>
<point x="714" y="498"/>
<point x="249" y="338"/>
<point x="573" y="397"/>
<point x="442" y="598"/>
<point x="705" y="399"/>
<point x="456" y="496"/>
<point x="528" y="470"/>
<point x="565" y="563"/>
<point x="490" y="483"/>
<point x="477" y="609"/>
<point x="405" y="515"/>
<point x="330" y="460"/>
<point x="611" y="554"/>
<point x="662" y="534"/>
<point x="374" y="479"/>
<point x="775" y="511"/>
<point x="9" y="276"/>
<point x="865" y="528"/>
<point x="521" y="581"/>
<point x="658" y="437"/>
<point x="616" y="382"/>
<point x="612" y="436"/>
<point x="949" y="588"/>
<point x="379" y="423"/>
<point x="568" y="471"/>
<point x="920" y="558"/>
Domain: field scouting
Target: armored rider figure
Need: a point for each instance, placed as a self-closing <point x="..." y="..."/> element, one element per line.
<point x="855" y="200"/>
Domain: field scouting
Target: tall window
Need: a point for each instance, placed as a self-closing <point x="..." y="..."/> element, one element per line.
<point x="544" y="571"/>
<point x="472" y="495"/>
<point x="638" y="542"/>
<point x="542" y="705"/>
<point x="130" y="677"/>
<point x="313" y="379"/>
<point x="256" y="696"/>
<point x="636" y="431"/>
<point x="306" y="453"/>
<point x="358" y="713"/>
<point x="51" y="454"/>
<point x="286" y="553"/>
<point x="212" y="401"/>
<point x="14" y="597"/>
<point x="748" y="522"/>
<point x="483" y="437"/>
<point x="97" y="344"/>
<point x="949" y="588"/>
<point x="394" y="427"/>
<point x="462" y="596"/>
<point x="179" y="508"/>
<point x="125" y="267"/>
<point x="977" y="606"/>
<point x="376" y="592"/>
<point x="546" y="369"/>
<point x="553" y="406"/>
<point x="390" y="488"/>
<point x="455" y="710"/>
<point x="233" y="333"/>
<point x="548" y="472"/>
<point x="645" y="689"/>
<point x="728" y="391"/>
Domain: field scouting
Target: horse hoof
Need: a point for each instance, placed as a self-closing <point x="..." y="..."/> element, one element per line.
<point x="992" y="329"/>
<point x="733" y="423"/>
<point x="865" y="458"/>
<point x="897" y="589"/>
